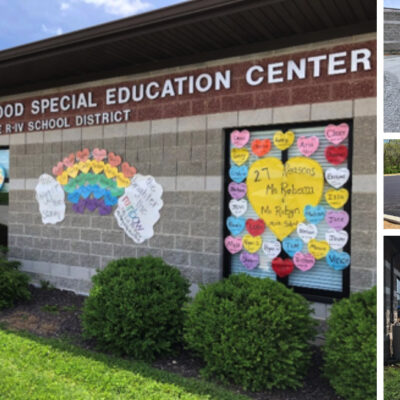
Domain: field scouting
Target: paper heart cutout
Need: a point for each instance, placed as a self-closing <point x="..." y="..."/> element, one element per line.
<point x="99" y="154"/>
<point x="103" y="181"/>
<point x="238" y="207"/>
<point x="261" y="147"/>
<point x="278" y="193"/>
<point x="238" y="174"/>
<point x="336" y="239"/>
<point x="122" y="181"/>
<point x="84" y="191"/>
<point x="233" y="245"/>
<point x="73" y="171"/>
<point x="84" y="166"/>
<point x="117" y="192"/>
<point x="239" y="156"/>
<point x="74" y="197"/>
<point x="255" y="227"/>
<point x="80" y="179"/>
<point x="337" y="219"/>
<point x="338" y="260"/>
<point x="58" y="169"/>
<point x="337" y="177"/>
<point x="318" y="248"/>
<point x="282" y="267"/>
<point x="240" y="138"/>
<point x="63" y="178"/>
<point x="110" y="200"/>
<point x="92" y="179"/>
<point x="303" y="262"/>
<point x="69" y="161"/>
<point x="110" y="171"/>
<point x="307" y="232"/>
<point x="127" y="170"/>
<point x="292" y="245"/>
<point x="104" y="209"/>
<point x="98" y="192"/>
<point x="337" y="133"/>
<point x="79" y="207"/>
<point x="97" y="166"/>
<point x="70" y="187"/>
<point x="336" y="155"/>
<point x="83" y="155"/>
<point x="237" y="190"/>
<point x="314" y="214"/>
<point x="252" y="243"/>
<point x="250" y="261"/>
<point x="235" y="225"/>
<point x="307" y="145"/>
<point x="337" y="198"/>
<point x="283" y="140"/>
<point x="272" y="248"/>
<point x="91" y="204"/>
<point x="113" y="159"/>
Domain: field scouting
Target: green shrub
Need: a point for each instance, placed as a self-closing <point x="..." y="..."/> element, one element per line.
<point x="13" y="283"/>
<point x="350" y="349"/>
<point x="136" y="307"/>
<point x="252" y="332"/>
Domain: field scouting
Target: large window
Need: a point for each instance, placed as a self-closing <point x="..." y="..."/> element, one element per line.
<point x="287" y="205"/>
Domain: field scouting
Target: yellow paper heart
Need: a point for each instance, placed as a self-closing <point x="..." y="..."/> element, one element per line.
<point x="97" y="166"/>
<point x="85" y="166"/>
<point x="73" y="171"/>
<point x="318" y="248"/>
<point x="63" y="178"/>
<point x="283" y="140"/>
<point x="110" y="171"/>
<point x="239" y="156"/>
<point x="252" y="243"/>
<point x="122" y="181"/>
<point x="337" y="198"/>
<point x="278" y="193"/>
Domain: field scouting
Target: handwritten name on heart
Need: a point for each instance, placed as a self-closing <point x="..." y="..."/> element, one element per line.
<point x="282" y="267"/>
<point x="113" y="159"/>
<point x="238" y="174"/>
<point x="251" y="243"/>
<point x="235" y="225"/>
<point x="304" y="262"/>
<point x="307" y="145"/>
<point x="99" y="154"/>
<point x="127" y="170"/>
<point x="272" y="248"/>
<point x="73" y="171"/>
<point x="97" y="166"/>
<point x="283" y="140"/>
<point x="336" y="239"/>
<point x="337" y="133"/>
<point x="83" y="155"/>
<point x="240" y="138"/>
<point x="314" y="214"/>
<point x="255" y="227"/>
<point x="260" y="147"/>
<point x="250" y="261"/>
<point x="278" y="193"/>
<point x="336" y="155"/>
<point x="233" y="245"/>
<point x="337" y="219"/>
<point x="307" y="232"/>
<point x="237" y="190"/>
<point x="338" y="260"/>
<point x="238" y="207"/>
<point x="239" y="156"/>
<point x="292" y="245"/>
<point x="318" y="248"/>
<point x="337" y="177"/>
<point x="337" y="198"/>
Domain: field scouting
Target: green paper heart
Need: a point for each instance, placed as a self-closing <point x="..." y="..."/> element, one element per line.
<point x="92" y="178"/>
<point x="103" y="181"/>
<point x="70" y="186"/>
<point x="80" y="179"/>
<point x="117" y="192"/>
<point x="112" y="184"/>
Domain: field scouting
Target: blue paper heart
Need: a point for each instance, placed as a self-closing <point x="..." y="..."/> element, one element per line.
<point x="292" y="245"/>
<point x="338" y="260"/>
<point x="235" y="225"/>
<point x="74" y="197"/>
<point x="238" y="174"/>
<point x="315" y="214"/>
<point x="110" y="200"/>
<point x="84" y="191"/>
<point x="98" y="192"/>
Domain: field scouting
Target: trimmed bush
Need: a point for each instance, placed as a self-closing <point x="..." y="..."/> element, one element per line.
<point x="350" y="349"/>
<point x="135" y="307"/>
<point x="252" y="332"/>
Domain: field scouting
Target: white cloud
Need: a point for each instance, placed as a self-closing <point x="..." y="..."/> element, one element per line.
<point x="121" y="7"/>
<point x="64" y="6"/>
<point x="52" y="31"/>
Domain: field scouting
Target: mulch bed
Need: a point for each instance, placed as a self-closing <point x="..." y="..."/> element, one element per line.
<point x="56" y="313"/>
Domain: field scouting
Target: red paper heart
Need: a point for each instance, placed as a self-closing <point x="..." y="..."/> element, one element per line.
<point x="99" y="154"/>
<point x="127" y="170"/>
<point x="336" y="154"/>
<point x="255" y="227"/>
<point x="83" y="155"/>
<point x="58" y="169"/>
<point x="282" y="267"/>
<point x="114" y="160"/>
<point x="69" y="161"/>
<point x="260" y="147"/>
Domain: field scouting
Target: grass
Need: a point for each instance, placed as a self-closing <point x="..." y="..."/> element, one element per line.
<point x="392" y="383"/>
<point x="37" y="368"/>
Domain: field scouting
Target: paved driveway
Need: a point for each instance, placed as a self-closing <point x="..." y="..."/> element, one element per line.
<point x="392" y="195"/>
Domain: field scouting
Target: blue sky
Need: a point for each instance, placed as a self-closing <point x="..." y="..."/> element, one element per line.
<point x="392" y="3"/>
<point x="25" y="21"/>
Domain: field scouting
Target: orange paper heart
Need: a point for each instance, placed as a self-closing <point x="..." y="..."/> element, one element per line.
<point x="69" y="161"/>
<point x="83" y="155"/>
<point x="260" y="147"/>
<point x="114" y="160"/>
<point x="128" y="171"/>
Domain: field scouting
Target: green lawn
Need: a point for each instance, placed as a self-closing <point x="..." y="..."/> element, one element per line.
<point x="36" y="368"/>
<point x="392" y="383"/>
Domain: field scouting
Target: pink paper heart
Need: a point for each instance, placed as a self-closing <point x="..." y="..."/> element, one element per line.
<point x="99" y="154"/>
<point x="240" y="138"/>
<point x="58" y="169"/>
<point x="249" y="260"/>
<point x="237" y="190"/>
<point x="83" y="155"/>
<point x="233" y="245"/>
<point x="303" y="262"/>
<point x="337" y="219"/>
<point x="69" y="161"/>
<point x="336" y="133"/>
<point x="307" y="145"/>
